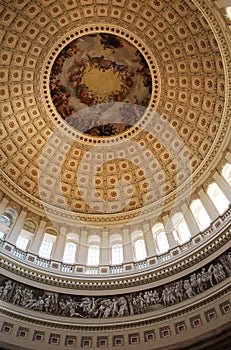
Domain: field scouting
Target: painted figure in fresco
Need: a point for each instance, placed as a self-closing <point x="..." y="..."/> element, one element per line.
<point x="188" y="288"/>
<point x="147" y="299"/>
<point x="71" y="306"/>
<point x="93" y="312"/>
<point x="165" y="296"/>
<point x="119" y="67"/>
<point x="219" y="273"/>
<point x="38" y="304"/>
<point x="62" y="307"/>
<point x="179" y="291"/>
<point x="105" y="64"/>
<point x="94" y="60"/>
<point x="123" y="306"/>
<point x="228" y="259"/>
<point x="134" y="303"/>
<point x="206" y="277"/>
<point x="86" y="304"/>
<point x="110" y="41"/>
<point x="200" y="287"/>
<point x="107" y="303"/>
<point x="68" y="83"/>
<point x="171" y="297"/>
<point x="17" y="296"/>
<point x="115" y="309"/>
<point x="193" y="282"/>
<point x="48" y="303"/>
<point x="27" y="298"/>
<point x="101" y="310"/>
<point x="6" y="290"/>
<point x="31" y="302"/>
<point x="140" y="302"/>
<point x="106" y="130"/>
<point x="226" y="262"/>
<point x="1" y="291"/>
<point x="154" y="297"/>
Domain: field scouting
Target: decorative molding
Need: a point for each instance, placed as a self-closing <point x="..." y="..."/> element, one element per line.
<point x="118" y="305"/>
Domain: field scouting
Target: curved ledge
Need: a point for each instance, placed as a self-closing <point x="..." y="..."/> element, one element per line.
<point x="100" y="324"/>
<point x="140" y="304"/>
<point x="150" y="271"/>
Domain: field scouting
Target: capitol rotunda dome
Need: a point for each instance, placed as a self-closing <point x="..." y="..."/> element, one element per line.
<point x="115" y="174"/>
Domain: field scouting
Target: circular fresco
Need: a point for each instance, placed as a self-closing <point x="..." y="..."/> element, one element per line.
<point x="93" y="73"/>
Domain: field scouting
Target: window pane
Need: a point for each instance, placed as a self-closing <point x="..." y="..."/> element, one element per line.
<point x="160" y="238"/>
<point x="22" y="243"/>
<point x="228" y="11"/>
<point x="46" y="246"/>
<point x="183" y="232"/>
<point x="162" y="242"/>
<point x="93" y="255"/>
<point x="140" y="251"/>
<point x="5" y="220"/>
<point x="69" y="253"/>
<point x="200" y="214"/>
<point x="117" y="254"/>
<point x="218" y="198"/>
<point x="226" y="173"/>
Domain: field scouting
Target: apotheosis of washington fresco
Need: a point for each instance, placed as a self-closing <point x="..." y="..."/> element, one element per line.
<point x="91" y="75"/>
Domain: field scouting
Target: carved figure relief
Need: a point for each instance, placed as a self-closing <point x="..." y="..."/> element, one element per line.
<point x="118" y="305"/>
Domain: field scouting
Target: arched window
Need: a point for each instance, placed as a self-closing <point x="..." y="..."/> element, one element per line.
<point x="116" y="245"/>
<point x="200" y="214"/>
<point x="117" y="254"/>
<point x="47" y="245"/>
<point x="93" y="255"/>
<point x="228" y="12"/>
<point x="140" y="249"/>
<point x="226" y="173"/>
<point x="70" y="248"/>
<point x="69" y="253"/>
<point x="160" y="238"/>
<point x="26" y="235"/>
<point x="218" y="198"/>
<point x="93" y="250"/>
<point x="6" y="221"/>
<point x="181" y="231"/>
<point x="22" y="242"/>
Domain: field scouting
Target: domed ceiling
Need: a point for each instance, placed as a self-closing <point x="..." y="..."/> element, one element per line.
<point x="108" y="106"/>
